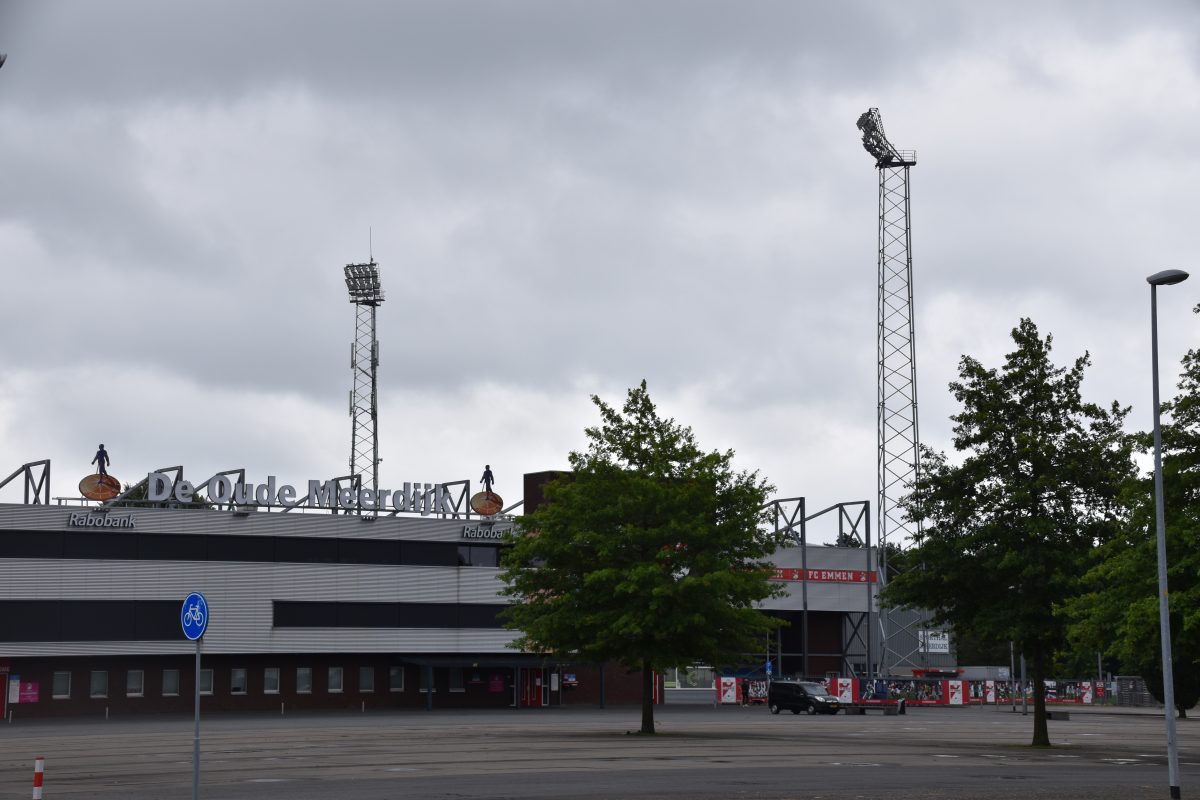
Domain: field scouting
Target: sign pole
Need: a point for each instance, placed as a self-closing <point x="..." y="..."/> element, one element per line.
<point x="196" y="737"/>
<point x="193" y="617"/>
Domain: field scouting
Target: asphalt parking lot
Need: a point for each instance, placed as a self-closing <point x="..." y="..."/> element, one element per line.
<point x="700" y="753"/>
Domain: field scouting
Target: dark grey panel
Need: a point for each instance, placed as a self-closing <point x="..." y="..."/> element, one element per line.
<point x="289" y="614"/>
<point x="89" y="620"/>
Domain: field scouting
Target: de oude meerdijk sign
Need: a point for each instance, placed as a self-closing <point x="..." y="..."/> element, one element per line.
<point x="425" y="499"/>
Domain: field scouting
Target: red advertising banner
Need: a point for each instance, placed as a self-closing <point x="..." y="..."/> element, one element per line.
<point x="914" y="692"/>
<point x="940" y="692"/>
<point x="825" y="575"/>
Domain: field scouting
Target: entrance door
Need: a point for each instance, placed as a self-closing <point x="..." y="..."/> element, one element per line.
<point x="532" y="683"/>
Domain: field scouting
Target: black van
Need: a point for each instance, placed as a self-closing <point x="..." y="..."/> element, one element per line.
<point x="797" y="696"/>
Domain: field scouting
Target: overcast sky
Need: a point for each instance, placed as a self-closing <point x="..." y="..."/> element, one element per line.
<point x="566" y="198"/>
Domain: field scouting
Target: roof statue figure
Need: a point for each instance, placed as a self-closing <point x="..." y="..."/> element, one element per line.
<point x="101" y="461"/>
<point x="487" y="503"/>
<point x="100" y="486"/>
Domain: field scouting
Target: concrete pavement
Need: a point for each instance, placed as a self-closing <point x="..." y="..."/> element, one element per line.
<point x="590" y="754"/>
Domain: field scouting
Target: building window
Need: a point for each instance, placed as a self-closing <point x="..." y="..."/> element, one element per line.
<point x="303" y="680"/>
<point x="237" y="680"/>
<point x="366" y="679"/>
<point x="99" y="683"/>
<point x="395" y="679"/>
<point x="62" y="686"/>
<point x="170" y="682"/>
<point x="335" y="680"/>
<point x="478" y="555"/>
<point x="456" y="680"/>
<point x="206" y="681"/>
<point x="135" y="683"/>
<point x="271" y="680"/>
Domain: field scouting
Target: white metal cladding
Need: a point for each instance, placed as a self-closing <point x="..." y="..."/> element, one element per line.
<point x="240" y="594"/>
<point x="826" y="595"/>
<point x="240" y="597"/>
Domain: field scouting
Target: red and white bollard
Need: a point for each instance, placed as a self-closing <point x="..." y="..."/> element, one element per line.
<point x="39" y="767"/>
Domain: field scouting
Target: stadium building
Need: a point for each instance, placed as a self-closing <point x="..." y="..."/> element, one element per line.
<point x="308" y="608"/>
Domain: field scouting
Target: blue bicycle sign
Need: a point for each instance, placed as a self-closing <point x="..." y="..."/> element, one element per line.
<point x="194" y="616"/>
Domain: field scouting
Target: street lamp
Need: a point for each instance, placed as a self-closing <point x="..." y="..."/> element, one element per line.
<point x="1167" y="277"/>
<point x="1024" y="686"/>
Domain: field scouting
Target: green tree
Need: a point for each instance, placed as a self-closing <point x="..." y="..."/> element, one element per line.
<point x="1119" y="613"/>
<point x="651" y="553"/>
<point x="1007" y="532"/>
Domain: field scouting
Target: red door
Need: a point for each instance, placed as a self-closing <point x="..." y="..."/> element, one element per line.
<point x="532" y="681"/>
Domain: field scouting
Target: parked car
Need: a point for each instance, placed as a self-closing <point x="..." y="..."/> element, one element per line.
<point x="797" y="696"/>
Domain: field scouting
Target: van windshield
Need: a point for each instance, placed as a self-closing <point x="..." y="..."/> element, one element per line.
<point x="813" y="688"/>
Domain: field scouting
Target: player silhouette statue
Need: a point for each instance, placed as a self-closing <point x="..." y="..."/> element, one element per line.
<point x="101" y="461"/>
<point x="487" y="478"/>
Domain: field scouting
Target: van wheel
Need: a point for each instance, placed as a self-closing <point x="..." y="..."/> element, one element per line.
<point x="774" y="708"/>
<point x="811" y="709"/>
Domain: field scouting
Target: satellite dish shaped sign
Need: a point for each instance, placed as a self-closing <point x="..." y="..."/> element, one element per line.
<point x="194" y="616"/>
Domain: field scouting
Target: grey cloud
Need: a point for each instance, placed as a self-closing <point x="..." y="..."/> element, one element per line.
<point x="569" y="194"/>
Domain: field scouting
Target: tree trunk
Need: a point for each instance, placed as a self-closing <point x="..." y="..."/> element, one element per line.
<point x="647" y="698"/>
<point x="1182" y="712"/>
<point x="1041" y="732"/>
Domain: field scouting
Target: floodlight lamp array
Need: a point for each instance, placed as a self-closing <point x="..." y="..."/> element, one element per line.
<point x="362" y="281"/>
<point x="876" y="143"/>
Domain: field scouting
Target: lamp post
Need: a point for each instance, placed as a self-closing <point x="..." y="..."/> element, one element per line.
<point x="1167" y="277"/>
<point x="1024" y="686"/>
<point x="1024" y="690"/>
<point x="1012" y="676"/>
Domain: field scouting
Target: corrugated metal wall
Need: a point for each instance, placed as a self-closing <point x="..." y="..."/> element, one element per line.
<point x="240" y="594"/>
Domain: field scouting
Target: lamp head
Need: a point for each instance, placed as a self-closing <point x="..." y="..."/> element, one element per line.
<point x="876" y="143"/>
<point x="362" y="281"/>
<point x="1168" y="277"/>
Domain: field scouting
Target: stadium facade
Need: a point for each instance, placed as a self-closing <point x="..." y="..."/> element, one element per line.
<point x="312" y="609"/>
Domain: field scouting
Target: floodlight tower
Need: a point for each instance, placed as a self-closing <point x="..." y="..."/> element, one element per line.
<point x="366" y="293"/>
<point x="897" y="441"/>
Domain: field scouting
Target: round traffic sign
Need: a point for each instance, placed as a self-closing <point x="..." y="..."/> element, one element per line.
<point x="194" y="616"/>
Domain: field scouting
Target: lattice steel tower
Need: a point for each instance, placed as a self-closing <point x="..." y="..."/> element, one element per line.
<point x="366" y="293"/>
<point x="897" y="375"/>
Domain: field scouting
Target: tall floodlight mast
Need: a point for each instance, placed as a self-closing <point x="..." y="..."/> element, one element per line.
<point x="896" y="378"/>
<point x="366" y="293"/>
